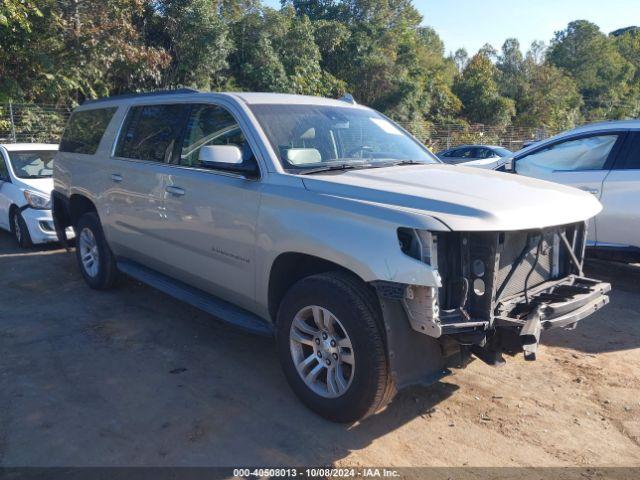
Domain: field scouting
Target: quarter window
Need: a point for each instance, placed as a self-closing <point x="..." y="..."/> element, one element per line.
<point x="211" y="125"/>
<point x="150" y="132"/>
<point x="85" y="130"/>
<point x="587" y="153"/>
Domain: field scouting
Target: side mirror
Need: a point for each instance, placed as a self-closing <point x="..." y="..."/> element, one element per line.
<point x="226" y="158"/>
<point x="509" y="164"/>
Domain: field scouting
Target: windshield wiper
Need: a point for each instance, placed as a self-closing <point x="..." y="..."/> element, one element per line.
<point x="341" y="166"/>
<point x="394" y="163"/>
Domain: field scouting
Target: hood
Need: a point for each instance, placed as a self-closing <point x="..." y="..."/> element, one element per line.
<point x="463" y="198"/>
<point x="42" y="185"/>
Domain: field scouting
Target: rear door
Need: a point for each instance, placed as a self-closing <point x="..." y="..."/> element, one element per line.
<point x="582" y="161"/>
<point x="135" y="199"/>
<point x="619" y="222"/>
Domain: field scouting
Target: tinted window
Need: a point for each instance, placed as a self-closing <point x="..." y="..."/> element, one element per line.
<point x="211" y="125"/>
<point x="466" y="153"/>
<point x="630" y="155"/>
<point x="150" y="132"/>
<point x="85" y="129"/>
<point x="483" y="153"/>
<point x="587" y="153"/>
<point x="37" y="164"/>
<point x="4" y="173"/>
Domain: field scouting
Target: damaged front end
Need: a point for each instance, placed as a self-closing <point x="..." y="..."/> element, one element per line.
<point x="499" y="290"/>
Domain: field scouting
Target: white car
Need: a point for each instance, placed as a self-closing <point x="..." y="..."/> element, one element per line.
<point x="604" y="160"/>
<point x="25" y="192"/>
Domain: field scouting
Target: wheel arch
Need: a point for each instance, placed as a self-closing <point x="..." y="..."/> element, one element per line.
<point x="290" y="267"/>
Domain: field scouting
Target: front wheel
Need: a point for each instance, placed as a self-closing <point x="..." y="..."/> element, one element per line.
<point x="20" y="230"/>
<point x="331" y="347"/>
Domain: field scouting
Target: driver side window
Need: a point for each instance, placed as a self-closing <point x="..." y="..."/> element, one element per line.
<point x="587" y="153"/>
<point x="211" y="125"/>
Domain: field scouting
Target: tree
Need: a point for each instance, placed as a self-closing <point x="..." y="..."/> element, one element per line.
<point x="17" y="14"/>
<point x="601" y="73"/>
<point x="477" y="89"/>
<point x="460" y="58"/>
<point x="549" y="99"/>
<point x="511" y="66"/>
<point x="195" y="37"/>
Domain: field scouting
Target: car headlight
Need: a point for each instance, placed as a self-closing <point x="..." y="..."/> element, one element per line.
<point x="419" y="244"/>
<point x="37" y="200"/>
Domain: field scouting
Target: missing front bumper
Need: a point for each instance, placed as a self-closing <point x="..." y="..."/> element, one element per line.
<point x="557" y="304"/>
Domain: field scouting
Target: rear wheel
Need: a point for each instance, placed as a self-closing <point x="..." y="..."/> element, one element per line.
<point x="331" y="347"/>
<point x="20" y="230"/>
<point x="97" y="263"/>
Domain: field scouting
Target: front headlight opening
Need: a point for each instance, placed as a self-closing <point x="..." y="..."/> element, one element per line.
<point x="419" y="244"/>
<point x="37" y="200"/>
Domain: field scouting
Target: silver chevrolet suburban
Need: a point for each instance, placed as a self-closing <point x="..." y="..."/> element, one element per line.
<point x="323" y="223"/>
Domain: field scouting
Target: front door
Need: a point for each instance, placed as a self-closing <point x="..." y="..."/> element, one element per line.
<point x="619" y="223"/>
<point x="211" y="215"/>
<point x="582" y="162"/>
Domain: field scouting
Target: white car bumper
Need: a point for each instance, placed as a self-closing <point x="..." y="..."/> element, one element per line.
<point x="40" y="225"/>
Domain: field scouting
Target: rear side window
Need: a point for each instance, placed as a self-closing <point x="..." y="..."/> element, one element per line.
<point x="85" y="129"/>
<point x="150" y="132"/>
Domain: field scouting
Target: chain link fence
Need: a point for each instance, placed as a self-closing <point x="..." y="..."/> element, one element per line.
<point x="45" y="123"/>
<point x="32" y="123"/>
<point x="439" y="136"/>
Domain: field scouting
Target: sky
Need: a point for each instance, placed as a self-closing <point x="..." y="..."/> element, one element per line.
<point x="470" y="24"/>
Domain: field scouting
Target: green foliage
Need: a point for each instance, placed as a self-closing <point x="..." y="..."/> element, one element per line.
<point x="477" y="88"/>
<point x="194" y="35"/>
<point x="603" y="75"/>
<point x="17" y="14"/>
<point x="64" y="51"/>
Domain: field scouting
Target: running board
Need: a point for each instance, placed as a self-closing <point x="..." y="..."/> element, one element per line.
<point x="206" y="302"/>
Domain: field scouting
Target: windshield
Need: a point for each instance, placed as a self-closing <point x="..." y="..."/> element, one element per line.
<point x="37" y="164"/>
<point x="308" y="137"/>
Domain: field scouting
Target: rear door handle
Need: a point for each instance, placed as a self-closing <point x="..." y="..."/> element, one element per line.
<point x="175" y="191"/>
<point x="592" y="191"/>
<point x="116" y="177"/>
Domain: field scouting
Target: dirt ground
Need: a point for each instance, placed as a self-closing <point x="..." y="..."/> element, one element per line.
<point x="133" y="377"/>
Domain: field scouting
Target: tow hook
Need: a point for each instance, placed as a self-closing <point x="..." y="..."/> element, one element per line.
<point x="530" y="335"/>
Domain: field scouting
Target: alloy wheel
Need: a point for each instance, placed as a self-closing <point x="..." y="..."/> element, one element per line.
<point x="89" y="252"/>
<point x="322" y="351"/>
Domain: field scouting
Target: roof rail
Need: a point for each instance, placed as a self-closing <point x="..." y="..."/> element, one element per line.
<point x="138" y="95"/>
<point x="348" y="98"/>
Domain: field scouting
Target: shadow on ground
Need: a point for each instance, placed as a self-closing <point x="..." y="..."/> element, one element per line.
<point x="132" y="377"/>
<point x="617" y="326"/>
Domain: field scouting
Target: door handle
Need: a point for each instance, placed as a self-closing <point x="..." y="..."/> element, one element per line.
<point x="175" y="191"/>
<point x="116" y="177"/>
<point x="592" y="191"/>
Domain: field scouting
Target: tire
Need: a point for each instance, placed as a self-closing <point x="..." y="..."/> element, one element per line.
<point x="20" y="230"/>
<point x="98" y="266"/>
<point x="357" y="389"/>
